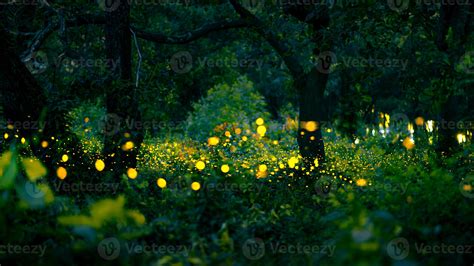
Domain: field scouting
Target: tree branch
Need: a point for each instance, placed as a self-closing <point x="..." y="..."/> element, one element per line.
<point x="280" y="46"/>
<point x="192" y="35"/>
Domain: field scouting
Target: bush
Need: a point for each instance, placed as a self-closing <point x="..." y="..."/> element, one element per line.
<point x="238" y="103"/>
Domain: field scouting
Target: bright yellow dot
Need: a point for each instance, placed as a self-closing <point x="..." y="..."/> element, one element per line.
<point x="213" y="141"/>
<point x="99" y="165"/>
<point x="200" y="165"/>
<point x="225" y="168"/>
<point x="408" y="143"/>
<point x="128" y="146"/>
<point x="132" y="173"/>
<point x="310" y="126"/>
<point x="361" y="182"/>
<point x="244" y="138"/>
<point x="238" y="131"/>
<point x="461" y="138"/>
<point x="86" y="119"/>
<point x="5" y="136"/>
<point x="292" y="162"/>
<point x="44" y="144"/>
<point x="227" y="134"/>
<point x="259" y="121"/>
<point x="161" y="182"/>
<point x="316" y="162"/>
<point x="64" y="158"/>
<point x="23" y="140"/>
<point x="61" y="172"/>
<point x="262" y="168"/>
<point x="261" y="130"/>
<point x="195" y="186"/>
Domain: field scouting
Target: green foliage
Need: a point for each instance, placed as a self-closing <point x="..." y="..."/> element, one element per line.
<point x="238" y="103"/>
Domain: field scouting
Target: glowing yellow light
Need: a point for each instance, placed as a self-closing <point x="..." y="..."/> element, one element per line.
<point x="292" y="162"/>
<point x="61" y="172"/>
<point x="310" y="126"/>
<point x="461" y="138"/>
<point x="225" y="168"/>
<point x="132" y="173"/>
<point x="467" y="187"/>
<point x="419" y="121"/>
<point x="429" y="125"/>
<point x="238" y="131"/>
<point x="409" y="143"/>
<point x="227" y="134"/>
<point x="99" y="165"/>
<point x="213" y="141"/>
<point x="23" y="140"/>
<point x="161" y="182"/>
<point x="128" y="146"/>
<point x="64" y="158"/>
<point x="5" y="136"/>
<point x="200" y="165"/>
<point x="86" y="119"/>
<point x="261" y="130"/>
<point x="244" y="138"/>
<point x="361" y="182"/>
<point x="259" y="121"/>
<point x="262" y="168"/>
<point x="410" y="128"/>
<point x="195" y="186"/>
<point x="44" y="144"/>
<point x="316" y="162"/>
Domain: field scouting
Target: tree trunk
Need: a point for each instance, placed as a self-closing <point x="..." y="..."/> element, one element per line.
<point x="123" y="114"/>
<point x="311" y="89"/>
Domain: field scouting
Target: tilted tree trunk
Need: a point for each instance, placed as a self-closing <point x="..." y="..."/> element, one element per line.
<point x="27" y="108"/>
<point x="309" y="86"/>
<point x="123" y="114"/>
